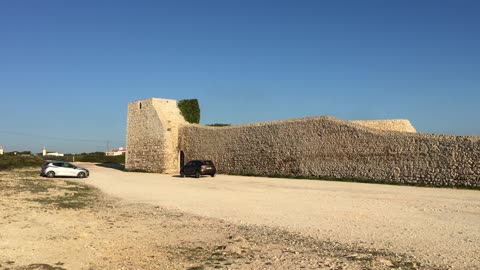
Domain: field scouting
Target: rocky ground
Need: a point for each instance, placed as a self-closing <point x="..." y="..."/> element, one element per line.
<point x="65" y="224"/>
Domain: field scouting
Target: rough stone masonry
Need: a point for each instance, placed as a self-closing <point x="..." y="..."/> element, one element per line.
<point x="383" y="151"/>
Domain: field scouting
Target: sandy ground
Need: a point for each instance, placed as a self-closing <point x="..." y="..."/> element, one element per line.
<point x="57" y="224"/>
<point x="438" y="227"/>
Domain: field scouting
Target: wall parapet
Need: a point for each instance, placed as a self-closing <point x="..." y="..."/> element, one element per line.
<point x="400" y="125"/>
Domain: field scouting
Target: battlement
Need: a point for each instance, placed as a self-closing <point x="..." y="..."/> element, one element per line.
<point x="400" y="125"/>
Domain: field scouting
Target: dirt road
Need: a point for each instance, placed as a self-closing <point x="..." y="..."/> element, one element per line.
<point x="60" y="224"/>
<point x="437" y="226"/>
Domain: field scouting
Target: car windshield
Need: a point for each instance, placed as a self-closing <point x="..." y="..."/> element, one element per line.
<point x="207" y="162"/>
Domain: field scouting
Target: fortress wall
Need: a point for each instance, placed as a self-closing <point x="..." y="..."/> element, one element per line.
<point x="328" y="147"/>
<point x="401" y="125"/>
<point x="152" y="135"/>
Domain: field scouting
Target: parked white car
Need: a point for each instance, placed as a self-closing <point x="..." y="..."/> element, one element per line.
<point x="54" y="168"/>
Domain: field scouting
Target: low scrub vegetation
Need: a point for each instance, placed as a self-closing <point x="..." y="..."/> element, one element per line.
<point x="137" y="170"/>
<point x="354" y="180"/>
<point x="74" y="195"/>
<point x="219" y="125"/>
<point x="8" y="162"/>
<point x="26" y="184"/>
<point x="96" y="157"/>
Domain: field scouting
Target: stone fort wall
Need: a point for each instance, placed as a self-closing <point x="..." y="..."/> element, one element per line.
<point x="311" y="147"/>
<point x="332" y="148"/>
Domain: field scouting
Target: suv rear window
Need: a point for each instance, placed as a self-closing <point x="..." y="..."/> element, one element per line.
<point x="207" y="162"/>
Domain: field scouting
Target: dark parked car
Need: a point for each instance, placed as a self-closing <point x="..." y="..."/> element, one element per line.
<point x="198" y="168"/>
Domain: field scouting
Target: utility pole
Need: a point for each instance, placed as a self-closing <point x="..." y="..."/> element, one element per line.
<point x="108" y="146"/>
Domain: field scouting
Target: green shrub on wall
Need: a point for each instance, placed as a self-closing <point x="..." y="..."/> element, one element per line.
<point x="219" y="125"/>
<point x="190" y="110"/>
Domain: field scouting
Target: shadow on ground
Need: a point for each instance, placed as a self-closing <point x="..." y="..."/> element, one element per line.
<point x="121" y="167"/>
<point x="115" y="166"/>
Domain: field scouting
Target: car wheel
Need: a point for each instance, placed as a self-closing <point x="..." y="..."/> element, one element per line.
<point x="197" y="174"/>
<point x="81" y="175"/>
<point x="213" y="175"/>
<point x="50" y="174"/>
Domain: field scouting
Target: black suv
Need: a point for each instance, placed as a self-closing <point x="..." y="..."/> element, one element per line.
<point x="198" y="168"/>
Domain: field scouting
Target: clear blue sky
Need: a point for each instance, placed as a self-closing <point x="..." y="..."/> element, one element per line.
<point x="69" y="68"/>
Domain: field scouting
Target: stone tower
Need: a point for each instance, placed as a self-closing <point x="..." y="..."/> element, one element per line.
<point x="44" y="151"/>
<point x="152" y="135"/>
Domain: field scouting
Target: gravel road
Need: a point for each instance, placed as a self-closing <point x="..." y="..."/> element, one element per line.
<point x="437" y="226"/>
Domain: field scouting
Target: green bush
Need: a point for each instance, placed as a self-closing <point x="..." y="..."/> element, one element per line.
<point x="98" y="157"/>
<point x="219" y="125"/>
<point x="11" y="162"/>
<point x="190" y="110"/>
<point x="101" y="159"/>
<point x="17" y="161"/>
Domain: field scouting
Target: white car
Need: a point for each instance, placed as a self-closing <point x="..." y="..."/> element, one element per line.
<point x="61" y="168"/>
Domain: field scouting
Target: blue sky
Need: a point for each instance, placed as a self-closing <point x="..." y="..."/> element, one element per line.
<point x="69" y="68"/>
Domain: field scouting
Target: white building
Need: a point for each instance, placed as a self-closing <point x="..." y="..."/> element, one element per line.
<point x="53" y="154"/>
<point x="116" y="152"/>
<point x="1" y="150"/>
